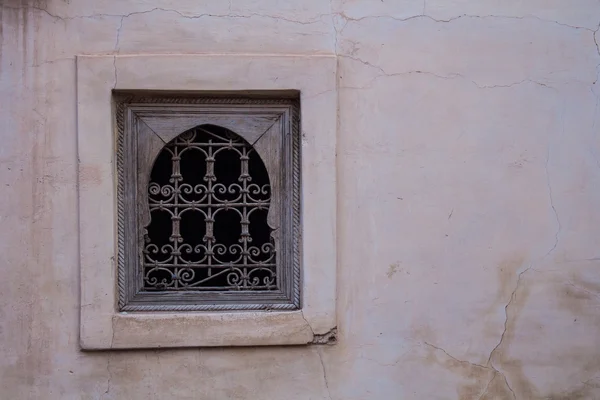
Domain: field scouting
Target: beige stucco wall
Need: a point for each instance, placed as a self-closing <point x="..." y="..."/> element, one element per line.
<point x="468" y="199"/>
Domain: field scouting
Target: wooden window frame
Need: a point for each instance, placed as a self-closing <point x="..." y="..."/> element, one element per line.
<point x="145" y="124"/>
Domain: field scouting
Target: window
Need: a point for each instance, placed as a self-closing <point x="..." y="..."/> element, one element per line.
<point x="208" y="203"/>
<point x="125" y="124"/>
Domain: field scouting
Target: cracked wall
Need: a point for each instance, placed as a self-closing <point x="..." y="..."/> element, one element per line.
<point x="468" y="178"/>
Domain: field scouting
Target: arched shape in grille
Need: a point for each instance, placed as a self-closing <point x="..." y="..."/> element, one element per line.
<point x="208" y="196"/>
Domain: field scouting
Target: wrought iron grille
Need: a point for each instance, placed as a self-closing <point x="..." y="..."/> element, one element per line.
<point x="209" y="195"/>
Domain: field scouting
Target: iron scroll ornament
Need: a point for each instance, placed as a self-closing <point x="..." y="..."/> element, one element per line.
<point x="208" y="196"/>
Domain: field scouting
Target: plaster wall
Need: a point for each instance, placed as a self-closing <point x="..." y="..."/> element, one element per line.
<point x="468" y="199"/>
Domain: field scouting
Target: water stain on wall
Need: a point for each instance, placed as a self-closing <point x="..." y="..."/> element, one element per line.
<point x="513" y="368"/>
<point x="476" y="376"/>
<point x="513" y="293"/>
<point x="496" y="389"/>
<point x="507" y="274"/>
<point x="392" y="270"/>
<point x="581" y="393"/>
<point x="581" y="304"/>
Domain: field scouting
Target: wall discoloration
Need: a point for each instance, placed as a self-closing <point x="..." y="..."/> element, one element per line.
<point x="512" y="368"/>
<point x="527" y="337"/>
<point x="507" y="274"/>
<point x="575" y="299"/>
<point x="581" y="393"/>
<point x="392" y="270"/>
<point x="496" y="389"/>
<point x="477" y="376"/>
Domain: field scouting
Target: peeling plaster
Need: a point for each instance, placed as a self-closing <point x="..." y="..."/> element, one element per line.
<point x="329" y="337"/>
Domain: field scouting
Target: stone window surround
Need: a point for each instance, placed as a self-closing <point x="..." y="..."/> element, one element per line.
<point x="101" y="325"/>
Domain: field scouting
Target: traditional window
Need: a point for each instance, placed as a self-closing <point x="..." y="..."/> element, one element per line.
<point x="208" y="203"/>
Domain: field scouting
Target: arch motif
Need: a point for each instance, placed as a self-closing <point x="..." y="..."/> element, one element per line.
<point x="208" y="197"/>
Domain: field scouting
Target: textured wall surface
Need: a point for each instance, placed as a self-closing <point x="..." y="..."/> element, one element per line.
<point x="468" y="198"/>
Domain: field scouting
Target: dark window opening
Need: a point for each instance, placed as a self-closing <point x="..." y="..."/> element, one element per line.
<point x="209" y="196"/>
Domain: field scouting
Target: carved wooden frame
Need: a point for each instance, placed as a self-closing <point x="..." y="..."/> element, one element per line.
<point x="145" y="123"/>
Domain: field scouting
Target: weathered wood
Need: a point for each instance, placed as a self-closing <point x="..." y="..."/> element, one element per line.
<point x="149" y="145"/>
<point x="269" y="147"/>
<point x="149" y="123"/>
<point x="170" y="125"/>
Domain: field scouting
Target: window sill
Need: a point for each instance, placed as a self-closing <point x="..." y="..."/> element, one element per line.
<point x="144" y="330"/>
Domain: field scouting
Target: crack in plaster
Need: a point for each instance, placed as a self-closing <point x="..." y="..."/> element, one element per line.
<point x="324" y="373"/>
<point x="318" y="94"/>
<point x="305" y="320"/>
<point x="592" y="89"/>
<point x="109" y="372"/>
<point x="193" y="16"/>
<point x="384" y="73"/>
<point x="112" y="338"/>
<point x="597" y="96"/>
<point x="485" y="390"/>
<point x="308" y="22"/>
<point x="552" y="248"/>
<point x="116" y="50"/>
<point x="468" y="16"/>
<point x="452" y="75"/>
<point x="506" y="383"/>
<point x="488" y="366"/>
<point x="512" y="84"/>
<point x="596" y="40"/>
<point x="551" y="197"/>
<point x="454" y="358"/>
<point x="335" y="31"/>
<point x="329" y="337"/>
<point x="115" y="67"/>
<point x="490" y="361"/>
<point x="596" y="295"/>
<point x="311" y="21"/>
